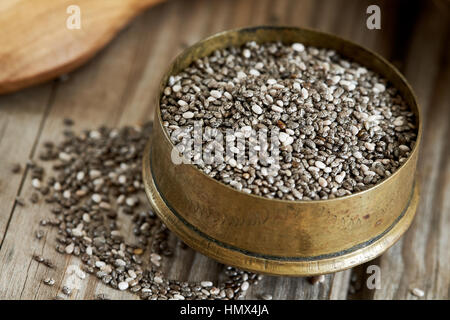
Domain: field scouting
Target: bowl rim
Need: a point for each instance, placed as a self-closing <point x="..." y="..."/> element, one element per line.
<point x="418" y="114"/>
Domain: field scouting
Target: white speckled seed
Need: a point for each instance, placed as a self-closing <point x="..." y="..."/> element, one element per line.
<point x="188" y="115"/>
<point x="123" y="285"/>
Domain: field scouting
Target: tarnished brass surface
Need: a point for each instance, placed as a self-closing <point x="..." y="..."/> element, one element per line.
<point x="279" y="236"/>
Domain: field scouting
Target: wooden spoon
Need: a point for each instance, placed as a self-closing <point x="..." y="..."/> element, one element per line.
<point x="36" y="44"/>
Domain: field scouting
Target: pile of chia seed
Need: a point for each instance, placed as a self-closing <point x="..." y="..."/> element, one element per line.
<point x="95" y="179"/>
<point x="341" y="127"/>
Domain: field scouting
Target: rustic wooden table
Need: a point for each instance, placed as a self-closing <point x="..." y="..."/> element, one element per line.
<point x="118" y="87"/>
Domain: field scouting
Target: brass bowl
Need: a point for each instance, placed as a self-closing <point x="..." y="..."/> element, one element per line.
<point x="297" y="238"/>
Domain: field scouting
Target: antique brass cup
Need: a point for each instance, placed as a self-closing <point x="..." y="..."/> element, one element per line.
<point x="297" y="238"/>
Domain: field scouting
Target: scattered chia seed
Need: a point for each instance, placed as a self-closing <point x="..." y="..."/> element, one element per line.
<point x="267" y="296"/>
<point x="39" y="234"/>
<point x="49" y="281"/>
<point x="20" y="201"/>
<point x="36" y="183"/>
<point x="34" y="198"/>
<point x="418" y="292"/>
<point x="342" y="127"/>
<point x="66" y="290"/>
<point x="95" y="178"/>
<point x="101" y="296"/>
<point x="16" y="168"/>
<point x="68" y="122"/>
<point x="46" y="262"/>
<point x="38" y="258"/>
<point x="316" y="279"/>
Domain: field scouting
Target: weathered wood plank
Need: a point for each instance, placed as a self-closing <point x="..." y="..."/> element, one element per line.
<point x="132" y="102"/>
<point x="421" y="258"/>
<point x="92" y="96"/>
<point x="118" y="87"/>
<point x="21" y="117"/>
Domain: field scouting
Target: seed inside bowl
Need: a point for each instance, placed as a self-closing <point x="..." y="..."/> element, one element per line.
<point x="288" y="121"/>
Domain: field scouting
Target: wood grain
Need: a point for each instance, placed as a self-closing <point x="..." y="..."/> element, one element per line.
<point x="118" y="87"/>
<point x="421" y="259"/>
<point x="36" y="45"/>
<point x="24" y="123"/>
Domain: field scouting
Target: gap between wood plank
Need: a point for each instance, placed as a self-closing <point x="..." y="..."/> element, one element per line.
<point x="31" y="155"/>
<point x="429" y="90"/>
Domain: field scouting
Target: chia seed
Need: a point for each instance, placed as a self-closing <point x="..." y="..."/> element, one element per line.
<point x="95" y="178"/>
<point x="342" y="128"/>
